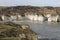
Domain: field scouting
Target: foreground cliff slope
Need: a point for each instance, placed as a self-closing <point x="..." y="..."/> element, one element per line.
<point x="12" y="31"/>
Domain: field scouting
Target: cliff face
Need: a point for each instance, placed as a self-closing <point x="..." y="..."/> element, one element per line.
<point x="10" y="30"/>
<point x="17" y="12"/>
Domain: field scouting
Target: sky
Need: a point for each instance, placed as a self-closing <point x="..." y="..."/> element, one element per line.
<point x="30" y="2"/>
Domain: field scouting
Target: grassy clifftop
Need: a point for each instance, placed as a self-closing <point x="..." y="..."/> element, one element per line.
<point x="12" y="31"/>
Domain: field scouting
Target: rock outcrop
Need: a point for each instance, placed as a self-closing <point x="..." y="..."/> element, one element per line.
<point x="21" y="32"/>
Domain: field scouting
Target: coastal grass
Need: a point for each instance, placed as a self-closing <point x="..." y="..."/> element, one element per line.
<point x="5" y="27"/>
<point x="10" y="38"/>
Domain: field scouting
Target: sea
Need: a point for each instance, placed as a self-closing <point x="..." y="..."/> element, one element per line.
<point x="45" y="30"/>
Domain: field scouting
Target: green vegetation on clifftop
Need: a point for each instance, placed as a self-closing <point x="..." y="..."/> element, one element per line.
<point x="12" y="31"/>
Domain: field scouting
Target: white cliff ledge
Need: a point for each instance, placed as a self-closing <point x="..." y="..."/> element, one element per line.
<point x="35" y="17"/>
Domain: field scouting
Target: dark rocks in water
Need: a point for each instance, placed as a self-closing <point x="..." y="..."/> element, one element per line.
<point x="9" y="29"/>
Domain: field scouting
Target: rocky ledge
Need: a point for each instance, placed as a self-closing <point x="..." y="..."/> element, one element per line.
<point x="12" y="31"/>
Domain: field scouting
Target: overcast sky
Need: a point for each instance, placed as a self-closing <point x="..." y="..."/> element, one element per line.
<point x="30" y="2"/>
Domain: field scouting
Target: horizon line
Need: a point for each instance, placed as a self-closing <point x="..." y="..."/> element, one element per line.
<point x="29" y="5"/>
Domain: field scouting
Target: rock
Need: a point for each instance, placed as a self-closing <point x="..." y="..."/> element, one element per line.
<point x="24" y="26"/>
<point x="22" y="31"/>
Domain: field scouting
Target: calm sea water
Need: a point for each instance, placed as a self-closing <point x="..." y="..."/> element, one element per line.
<point x="43" y="29"/>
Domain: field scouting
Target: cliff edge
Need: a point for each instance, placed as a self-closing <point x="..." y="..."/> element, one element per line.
<point x="12" y="31"/>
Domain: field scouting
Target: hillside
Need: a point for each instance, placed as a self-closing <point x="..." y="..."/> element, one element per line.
<point x="12" y="31"/>
<point x="22" y="9"/>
